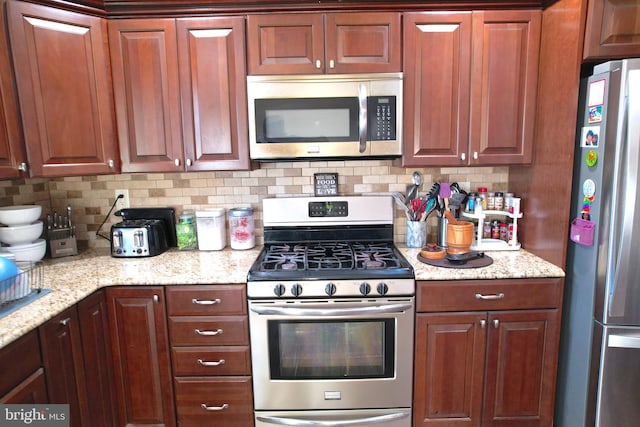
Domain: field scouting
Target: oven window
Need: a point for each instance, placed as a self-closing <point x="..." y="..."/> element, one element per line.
<point x="306" y="120"/>
<point x="332" y="349"/>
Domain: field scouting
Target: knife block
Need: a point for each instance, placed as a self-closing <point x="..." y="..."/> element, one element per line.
<point x="62" y="242"/>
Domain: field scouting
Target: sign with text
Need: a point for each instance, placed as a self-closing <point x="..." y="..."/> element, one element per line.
<point x="34" y="415"/>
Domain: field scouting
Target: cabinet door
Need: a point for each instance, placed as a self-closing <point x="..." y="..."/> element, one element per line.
<point x="96" y="348"/>
<point x="141" y="356"/>
<point x="449" y="369"/>
<point x="437" y="61"/>
<point x="362" y="43"/>
<point x="147" y="97"/>
<point x="64" y="364"/>
<point x="12" y="153"/>
<point x="504" y="79"/>
<point x="22" y="379"/>
<point x="62" y="76"/>
<point x="522" y="351"/>
<point x="32" y="390"/>
<point x="214" y="93"/>
<point x="612" y="30"/>
<point x="285" y="43"/>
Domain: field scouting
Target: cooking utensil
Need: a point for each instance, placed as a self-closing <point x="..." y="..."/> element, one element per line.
<point x="445" y="193"/>
<point x="463" y="258"/>
<point x="417" y="182"/>
<point x="452" y="219"/>
<point x="401" y="201"/>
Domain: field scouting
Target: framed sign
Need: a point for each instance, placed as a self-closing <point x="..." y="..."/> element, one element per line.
<point x="325" y="184"/>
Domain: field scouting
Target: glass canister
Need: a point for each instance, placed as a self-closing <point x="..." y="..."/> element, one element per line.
<point x="241" y="235"/>
<point x="186" y="231"/>
<point x="211" y="228"/>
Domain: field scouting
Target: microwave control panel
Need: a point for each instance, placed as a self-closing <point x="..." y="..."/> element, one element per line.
<point x="382" y="118"/>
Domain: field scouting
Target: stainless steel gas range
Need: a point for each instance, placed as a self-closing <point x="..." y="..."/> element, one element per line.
<point x="331" y="315"/>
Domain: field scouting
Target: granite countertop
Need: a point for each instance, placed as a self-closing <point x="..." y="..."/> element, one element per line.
<point x="73" y="278"/>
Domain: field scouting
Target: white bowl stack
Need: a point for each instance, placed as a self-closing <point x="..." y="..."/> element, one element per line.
<point x="20" y="232"/>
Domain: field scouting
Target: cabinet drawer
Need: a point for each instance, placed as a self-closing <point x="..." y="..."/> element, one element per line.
<point x="19" y="360"/>
<point x="209" y="330"/>
<point x="228" y="399"/>
<point x="196" y="361"/>
<point x="465" y="295"/>
<point x="204" y="300"/>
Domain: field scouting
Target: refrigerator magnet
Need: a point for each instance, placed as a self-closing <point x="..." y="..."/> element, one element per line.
<point x="589" y="189"/>
<point x="596" y="93"/>
<point x="590" y="136"/>
<point x="595" y="114"/>
<point x="591" y="158"/>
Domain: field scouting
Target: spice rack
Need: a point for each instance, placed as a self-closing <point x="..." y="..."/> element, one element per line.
<point x="485" y="244"/>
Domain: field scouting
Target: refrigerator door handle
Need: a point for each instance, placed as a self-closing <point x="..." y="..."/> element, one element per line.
<point x="624" y="341"/>
<point x="623" y="274"/>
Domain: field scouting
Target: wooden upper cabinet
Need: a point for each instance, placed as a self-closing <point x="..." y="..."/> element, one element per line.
<point x="504" y="82"/>
<point x="612" y="30"/>
<point x="312" y="43"/>
<point x="471" y="80"/>
<point x="213" y="88"/>
<point x="180" y="91"/>
<point x="144" y="56"/>
<point x="62" y="76"/>
<point x="437" y="67"/>
<point x="12" y="152"/>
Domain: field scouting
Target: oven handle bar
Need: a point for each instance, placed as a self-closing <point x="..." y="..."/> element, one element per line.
<point x="359" y="311"/>
<point x="378" y="419"/>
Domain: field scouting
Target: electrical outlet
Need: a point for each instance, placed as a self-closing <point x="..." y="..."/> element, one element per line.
<point x="123" y="203"/>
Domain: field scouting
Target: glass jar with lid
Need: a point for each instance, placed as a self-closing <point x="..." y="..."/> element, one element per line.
<point x="186" y="231"/>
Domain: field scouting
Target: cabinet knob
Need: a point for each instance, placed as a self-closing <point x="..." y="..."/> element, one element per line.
<point x="483" y="324"/>
<point x="332" y="64"/>
<point x="496" y="323"/>
<point x="111" y="163"/>
<point x="177" y="162"/>
<point x="318" y="63"/>
<point x="23" y="167"/>
<point x="65" y="322"/>
<point x="156" y="299"/>
<point x="463" y="156"/>
<point x="475" y="155"/>
<point x="188" y="162"/>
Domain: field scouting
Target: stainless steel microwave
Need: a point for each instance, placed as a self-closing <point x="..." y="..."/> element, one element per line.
<point x="325" y="116"/>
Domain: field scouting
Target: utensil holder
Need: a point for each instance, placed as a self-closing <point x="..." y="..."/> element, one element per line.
<point x="442" y="232"/>
<point x="416" y="234"/>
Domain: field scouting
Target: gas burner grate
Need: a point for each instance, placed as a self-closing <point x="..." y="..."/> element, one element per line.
<point x="284" y="257"/>
<point x="330" y="256"/>
<point x="374" y="256"/>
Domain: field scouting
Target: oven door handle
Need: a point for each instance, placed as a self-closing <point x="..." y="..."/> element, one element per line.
<point x="327" y="312"/>
<point x="378" y="419"/>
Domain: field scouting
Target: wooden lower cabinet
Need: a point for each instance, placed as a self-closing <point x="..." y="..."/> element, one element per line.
<point x="64" y="364"/>
<point x="22" y="379"/>
<point x="209" y="335"/>
<point x="140" y="350"/>
<point x="486" y="368"/>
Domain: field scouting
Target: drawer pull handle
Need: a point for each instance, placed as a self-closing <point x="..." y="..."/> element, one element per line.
<point x="214" y="408"/>
<point x="208" y="333"/>
<point x="206" y="301"/>
<point x="490" y="297"/>
<point x="205" y="363"/>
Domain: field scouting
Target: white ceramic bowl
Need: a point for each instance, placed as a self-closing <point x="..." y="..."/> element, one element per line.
<point x="19" y="215"/>
<point x="21" y="234"/>
<point x="29" y="252"/>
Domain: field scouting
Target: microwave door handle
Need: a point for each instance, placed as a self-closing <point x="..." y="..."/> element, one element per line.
<point x="377" y="419"/>
<point x="362" y="122"/>
<point x="358" y="311"/>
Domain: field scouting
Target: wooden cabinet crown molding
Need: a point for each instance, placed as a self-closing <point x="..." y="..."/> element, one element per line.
<point x="174" y="8"/>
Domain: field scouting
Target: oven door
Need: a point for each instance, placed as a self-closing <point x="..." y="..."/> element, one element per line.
<point x="332" y="354"/>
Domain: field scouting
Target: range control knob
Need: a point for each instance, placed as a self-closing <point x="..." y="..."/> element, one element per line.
<point x="279" y="289"/>
<point x="296" y="289"/>
<point x="382" y="288"/>
<point x="365" y="288"/>
<point x="330" y="289"/>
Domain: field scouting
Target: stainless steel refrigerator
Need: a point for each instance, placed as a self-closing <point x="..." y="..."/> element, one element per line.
<point x="599" y="362"/>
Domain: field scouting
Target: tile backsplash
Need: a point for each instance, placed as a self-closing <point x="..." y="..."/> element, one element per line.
<point x="91" y="197"/>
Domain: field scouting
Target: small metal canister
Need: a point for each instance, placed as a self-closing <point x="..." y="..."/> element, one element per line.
<point x="241" y="232"/>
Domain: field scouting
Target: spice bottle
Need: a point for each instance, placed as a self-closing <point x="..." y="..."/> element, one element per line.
<point x="471" y="202"/>
<point x="491" y="201"/>
<point x="482" y="193"/>
<point x="499" y="201"/>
